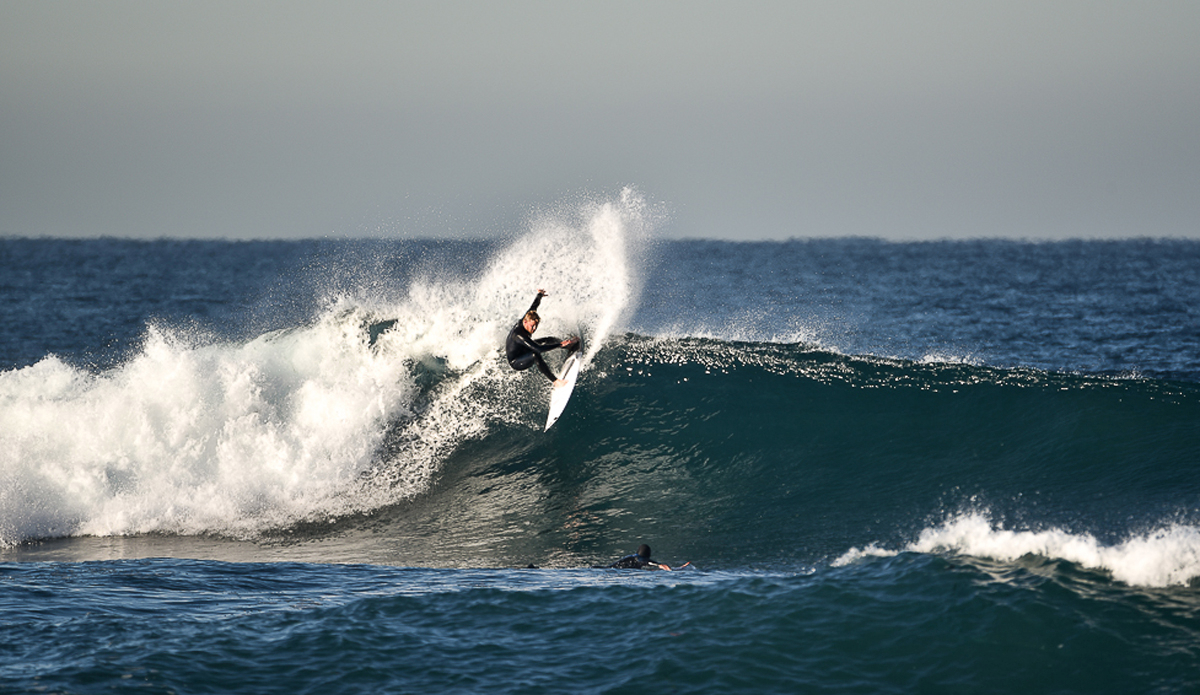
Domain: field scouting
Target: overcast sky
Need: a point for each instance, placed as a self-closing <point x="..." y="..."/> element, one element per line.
<point x="746" y="120"/>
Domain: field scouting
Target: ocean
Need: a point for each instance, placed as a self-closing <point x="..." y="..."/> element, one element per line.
<point x="306" y="467"/>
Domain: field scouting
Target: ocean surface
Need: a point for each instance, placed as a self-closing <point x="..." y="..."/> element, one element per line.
<point x="305" y="466"/>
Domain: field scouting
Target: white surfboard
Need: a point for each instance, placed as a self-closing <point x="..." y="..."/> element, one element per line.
<point x="559" y="395"/>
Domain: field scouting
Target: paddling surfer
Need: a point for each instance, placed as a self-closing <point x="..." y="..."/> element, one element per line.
<point x="641" y="561"/>
<point x="524" y="351"/>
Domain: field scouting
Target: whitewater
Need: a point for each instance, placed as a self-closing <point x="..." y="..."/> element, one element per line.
<point x="194" y="435"/>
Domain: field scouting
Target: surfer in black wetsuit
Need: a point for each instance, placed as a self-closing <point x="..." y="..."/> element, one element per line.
<point x="638" y="561"/>
<point x="524" y="352"/>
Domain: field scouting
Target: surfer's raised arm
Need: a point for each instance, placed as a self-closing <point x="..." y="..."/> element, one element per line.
<point x="536" y="301"/>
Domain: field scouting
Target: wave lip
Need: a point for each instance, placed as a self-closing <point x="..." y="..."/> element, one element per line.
<point x="1166" y="556"/>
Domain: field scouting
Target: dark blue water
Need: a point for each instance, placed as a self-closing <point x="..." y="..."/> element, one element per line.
<point x="305" y="467"/>
<point x="913" y="623"/>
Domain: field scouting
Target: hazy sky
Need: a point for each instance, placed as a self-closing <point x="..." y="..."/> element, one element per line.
<point x="747" y="120"/>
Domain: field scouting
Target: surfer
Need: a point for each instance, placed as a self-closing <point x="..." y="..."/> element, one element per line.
<point x="524" y="352"/>
<point x="638" y="561"/>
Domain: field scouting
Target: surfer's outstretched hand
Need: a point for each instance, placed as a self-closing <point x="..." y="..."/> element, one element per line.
<point x="543" y="293"/>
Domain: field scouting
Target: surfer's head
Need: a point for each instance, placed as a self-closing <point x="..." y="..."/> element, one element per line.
<point x="531" y="320"/>
<point x="644" y="551"/>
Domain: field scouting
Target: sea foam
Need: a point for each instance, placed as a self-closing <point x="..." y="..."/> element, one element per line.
<point x="1166" y="556"/>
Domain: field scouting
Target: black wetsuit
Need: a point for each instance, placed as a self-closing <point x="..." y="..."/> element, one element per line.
<point x="634" y="562"/>
<point x="524" y="351"/>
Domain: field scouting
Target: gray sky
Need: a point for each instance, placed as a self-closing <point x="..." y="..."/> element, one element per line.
<point x="747" y="120"/>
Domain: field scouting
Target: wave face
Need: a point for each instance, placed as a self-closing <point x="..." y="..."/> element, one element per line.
<point x="738" y="454"/>
<point x="372" y="417"/>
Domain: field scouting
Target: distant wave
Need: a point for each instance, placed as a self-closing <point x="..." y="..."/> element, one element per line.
<point x="1165" y="556"/>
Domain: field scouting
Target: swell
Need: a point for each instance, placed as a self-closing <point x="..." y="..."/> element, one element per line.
<point x="726" y="454"/>
<point x="759" y="454"/>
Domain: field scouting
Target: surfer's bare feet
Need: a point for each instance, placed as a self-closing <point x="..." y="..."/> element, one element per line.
<point x="560" y="382"/>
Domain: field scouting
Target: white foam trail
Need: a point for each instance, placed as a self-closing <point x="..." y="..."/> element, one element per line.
<point x="241" y="438"/>
<point x="1166" y="556"/>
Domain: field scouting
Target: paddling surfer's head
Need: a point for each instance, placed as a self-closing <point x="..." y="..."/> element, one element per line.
<point x="644" y="551"/>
